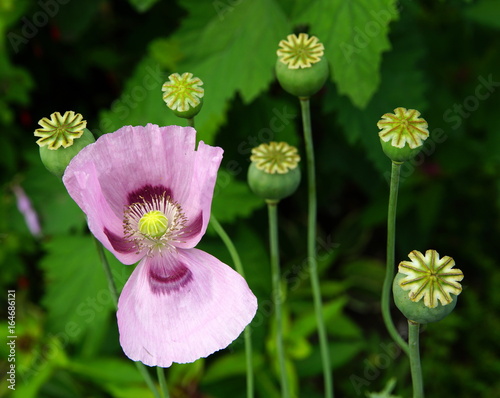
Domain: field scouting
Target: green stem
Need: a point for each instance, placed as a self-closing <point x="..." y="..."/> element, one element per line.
<point x="416" y="368"/>
<point x="239" y="268"/>
<point x="163" y="383"/>
<point x="190" y="122"/>
<point x="107" y="271"/>
<point x="277" y="294"/>
<point x="389" y="272"/>
<point x="114" y="294"/>
<point x="311" y="247"/>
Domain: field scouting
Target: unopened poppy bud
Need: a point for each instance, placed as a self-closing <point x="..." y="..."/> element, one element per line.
<point x="402" y="134"/>
<point x="274" y="173"/>
<point x="426" y="288"/>
<point x="183" y="94"/>
<point x="301" y="67"/>
<point x="62" y="137"/>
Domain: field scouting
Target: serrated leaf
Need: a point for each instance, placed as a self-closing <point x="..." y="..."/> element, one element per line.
<point x="403" y="84"/>
<point x="77" y="294"/>
<point x="354" y="34"/>
<point x="141" y="101"/>
<point x="230" y="52"/>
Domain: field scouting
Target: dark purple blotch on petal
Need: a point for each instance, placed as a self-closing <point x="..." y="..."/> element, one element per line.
<point x="147" y="193"/>
<point x="193" y="228"/>
<point x="164" y="281"/>
<point x="119" y="243"/>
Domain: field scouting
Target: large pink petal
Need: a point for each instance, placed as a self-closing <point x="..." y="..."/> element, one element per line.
<point x="134" y="158"/>
<point x="85" y="189"/>
<point x="182" y="306"/>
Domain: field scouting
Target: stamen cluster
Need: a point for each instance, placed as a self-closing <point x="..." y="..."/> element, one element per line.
<point x="166" y="228"/>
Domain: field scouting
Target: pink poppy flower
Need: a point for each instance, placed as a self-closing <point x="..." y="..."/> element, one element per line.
<point x="147" y="194"/>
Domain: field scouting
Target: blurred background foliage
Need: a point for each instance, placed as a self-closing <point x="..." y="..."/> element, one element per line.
<point x="107" y="59"/>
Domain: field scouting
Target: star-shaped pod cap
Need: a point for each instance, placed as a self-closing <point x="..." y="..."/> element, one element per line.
<point x="301" y="67"/>
<point x="274" y="173"/>
<point x="61" y="138"/>
<point x="402" y="134"/>
<point x="426" y="288"/>
<point x="183" y="94"/>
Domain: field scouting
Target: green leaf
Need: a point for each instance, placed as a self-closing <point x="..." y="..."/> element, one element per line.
<point x="128" y="391"/>
<point x="230" y="53"/>
<point x="106" y="370"/>
<point x="58" y="212"/>
<point x="185" y="374"/>
<point x="77" y="294"/>
<point x="354" y="34"/>
<point x="340" y="354"/>
<point x="142" y="5"/>
<point x="230" y="366"/>
<point x="305" y="324"/>
<point x="403" y="84"/>
<point x="233" y="198"/>
<point x="167" y="52"/>
<point x="485" y="12"/>
<point x="30" y="383"/>
<point x="10" y="12"/>
<point x="141" y="101"/>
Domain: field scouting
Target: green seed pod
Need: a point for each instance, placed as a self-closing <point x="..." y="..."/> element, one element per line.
<point x="57" y="160"/>
<point x="402" y="134"/>
<point x="191" y="112"/>
<point x="183" y="94"/>
<point x="425" y="290"/>
<point x="274" y="173"/>
<point x="62" y="137"/>
<point x="273" y="187"/>
<point x="418" y="311"/>
<point x="301" y="68"/>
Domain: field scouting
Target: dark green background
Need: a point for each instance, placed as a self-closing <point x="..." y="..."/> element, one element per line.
<point x="107" y="60"/>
